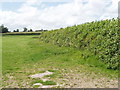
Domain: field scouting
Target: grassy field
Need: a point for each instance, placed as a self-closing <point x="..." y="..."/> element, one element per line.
<point x="0" y="60"/>
<point x="24" y="56"/>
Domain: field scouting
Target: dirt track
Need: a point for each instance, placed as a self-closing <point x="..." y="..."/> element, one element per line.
<point x="69" y="79"/>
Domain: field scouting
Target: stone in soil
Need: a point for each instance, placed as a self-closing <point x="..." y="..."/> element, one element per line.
<point x="37" y="84"/>
<point x="40" y="75"/>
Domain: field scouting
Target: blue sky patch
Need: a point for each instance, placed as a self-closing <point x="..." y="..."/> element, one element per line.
<point x="14" y="6"/>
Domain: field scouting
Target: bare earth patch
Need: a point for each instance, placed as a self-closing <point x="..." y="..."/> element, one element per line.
<point x="73" y="79"/>
<point x="41" y="76"/>
<point x="69" y="78"/>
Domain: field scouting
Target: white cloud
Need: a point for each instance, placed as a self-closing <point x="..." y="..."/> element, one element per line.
<point x="76" y="12"/>
<point x="32" y="2"/>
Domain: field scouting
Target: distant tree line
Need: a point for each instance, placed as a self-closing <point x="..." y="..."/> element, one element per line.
<point x="16" y="30"/>
<point x="26" y="30"/>
<point x="29" y="30"/>
<point x="4" y="29"/>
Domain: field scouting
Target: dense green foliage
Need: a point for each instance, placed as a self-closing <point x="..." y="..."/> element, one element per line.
<point x="3" y="29"/>
<point x="100" y="38"/>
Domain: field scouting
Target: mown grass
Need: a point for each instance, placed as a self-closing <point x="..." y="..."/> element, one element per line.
<point x="17" y="52"/>
<point x="22" y="53"/>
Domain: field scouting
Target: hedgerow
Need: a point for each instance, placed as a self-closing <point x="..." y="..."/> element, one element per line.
<point x="101" y="38"/>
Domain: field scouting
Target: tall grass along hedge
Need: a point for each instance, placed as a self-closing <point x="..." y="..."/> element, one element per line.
<point x="101" y="38"/>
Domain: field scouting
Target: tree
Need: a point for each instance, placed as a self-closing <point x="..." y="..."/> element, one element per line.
<point x="30" y="30"/>
<point x="14" y="31"/>
<point x="17" y="30"/>
<point x="25" y="29"/>
<point x="3" y="29"/>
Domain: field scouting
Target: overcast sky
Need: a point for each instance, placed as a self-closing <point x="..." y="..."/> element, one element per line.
<point x="53" y="14"/>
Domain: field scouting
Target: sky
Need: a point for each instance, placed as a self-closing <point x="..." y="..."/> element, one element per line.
<point x="54" y="14"/>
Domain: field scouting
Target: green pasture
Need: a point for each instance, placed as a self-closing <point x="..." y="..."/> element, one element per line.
<point x="24" y="55"/>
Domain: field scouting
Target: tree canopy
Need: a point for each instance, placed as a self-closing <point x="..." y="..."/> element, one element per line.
<point x="3" y="29"/>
